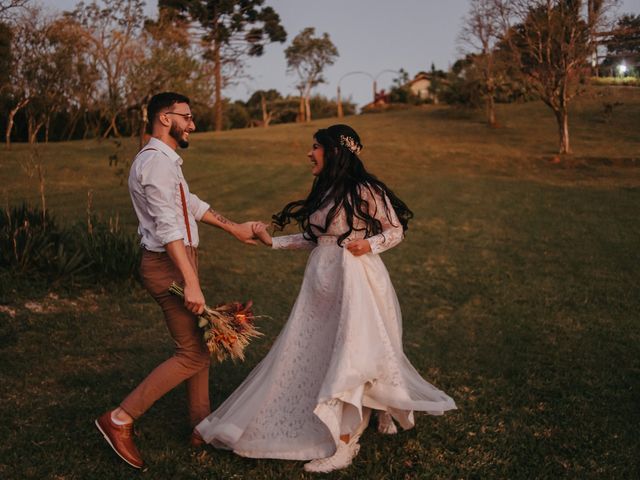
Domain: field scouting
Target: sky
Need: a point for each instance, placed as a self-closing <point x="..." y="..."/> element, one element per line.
<point x="371" y="36"/>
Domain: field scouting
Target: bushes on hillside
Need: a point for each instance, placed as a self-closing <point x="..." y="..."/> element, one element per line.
<point x="33" y="246"/>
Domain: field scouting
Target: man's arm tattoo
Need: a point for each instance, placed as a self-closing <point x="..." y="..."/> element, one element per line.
<point x="220" y="218"/>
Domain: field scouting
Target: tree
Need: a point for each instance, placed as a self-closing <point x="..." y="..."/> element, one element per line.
<point x="308" y="56"/>
<point x="550" y="44"/>
<point x="230" y="31"/>
<point x="481" y="33"/>
<point x="63" y="73"/>
<point x="261" y="106"/>
<point x="26" y="61"/>
<point x="5" y="56"/>
<point x="112" y="29"/>
<point x="438" y="81"/>
<point x="8" y="7"/>
<point x="463" y="86"/>
<point x="400" y="91"/>
<point x="81" y="74"/>
<point x="623" y="43"/>
<point x="166" y="63"/>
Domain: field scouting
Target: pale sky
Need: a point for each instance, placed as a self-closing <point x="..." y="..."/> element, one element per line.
<point x="371" y="36"/>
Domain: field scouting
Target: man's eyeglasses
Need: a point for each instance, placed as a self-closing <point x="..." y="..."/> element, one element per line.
<point x="187" y="116"/>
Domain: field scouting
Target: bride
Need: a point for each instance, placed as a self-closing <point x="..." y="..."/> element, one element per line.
<point x="340" y="353"/>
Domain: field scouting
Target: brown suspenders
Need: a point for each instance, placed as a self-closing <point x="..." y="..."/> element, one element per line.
<point x="183" y="200"/>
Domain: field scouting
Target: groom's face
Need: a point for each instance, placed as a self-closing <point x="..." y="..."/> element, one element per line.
<point x="181" y="124"/>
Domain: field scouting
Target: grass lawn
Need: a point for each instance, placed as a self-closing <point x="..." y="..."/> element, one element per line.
<point x="518" y="281"/>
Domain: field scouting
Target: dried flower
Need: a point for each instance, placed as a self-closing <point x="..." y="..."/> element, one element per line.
<point x="350" y="144"/>
<point x="228" y="328"/>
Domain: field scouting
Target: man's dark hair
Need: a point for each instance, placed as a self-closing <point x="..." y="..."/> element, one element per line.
<point x="161" y="101"/>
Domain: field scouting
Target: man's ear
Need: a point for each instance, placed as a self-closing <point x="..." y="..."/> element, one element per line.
<point x="164" y="120"/>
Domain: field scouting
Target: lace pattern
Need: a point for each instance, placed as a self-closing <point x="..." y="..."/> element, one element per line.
<point x="292" y="242"/>
<point x="379" y="208"/>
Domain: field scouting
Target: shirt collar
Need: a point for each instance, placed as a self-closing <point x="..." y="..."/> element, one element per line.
<point x="166" y="149"/>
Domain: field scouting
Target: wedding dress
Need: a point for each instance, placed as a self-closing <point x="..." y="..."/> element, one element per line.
<point x="339" y="353"/>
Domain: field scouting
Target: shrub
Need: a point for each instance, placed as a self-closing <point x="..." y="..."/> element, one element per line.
<point x="111" y="253"/>
<point x="34" y="246"/>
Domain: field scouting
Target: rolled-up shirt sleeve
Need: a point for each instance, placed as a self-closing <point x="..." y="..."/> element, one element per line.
<point x="159" y="179"/>
<point x="197" y="207"/>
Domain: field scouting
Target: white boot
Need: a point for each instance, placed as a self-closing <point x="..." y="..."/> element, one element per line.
<point x="343" y="457"/>
<point x="385" y="423"/>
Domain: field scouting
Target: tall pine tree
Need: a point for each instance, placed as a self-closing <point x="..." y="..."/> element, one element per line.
<point x="230" y="31"/>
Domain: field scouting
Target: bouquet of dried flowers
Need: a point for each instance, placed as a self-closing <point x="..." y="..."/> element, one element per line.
<point x="228" y="328"/>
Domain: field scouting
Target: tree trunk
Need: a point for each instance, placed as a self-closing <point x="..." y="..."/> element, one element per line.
<point x="86" y="121"/>
<point x="562" y="118"/>
<point x="217" y="73"/>
<point x="72" y="125"/>
<point x="47" y="124"/>
<point x="307" y="107"/>
<point x="301" y="115"/>
<point x="12" y="115"/>
<point x="112" y="127"/>
<point x="491" y="110"/>
<point x="33" y="128"/>
<point x="266" y="116"/>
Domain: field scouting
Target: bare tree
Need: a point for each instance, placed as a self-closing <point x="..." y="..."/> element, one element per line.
<point x="112" y="28"/>
<point x="82" y="77"/>
<point x="8" y="7"/>
<point x="550" y="43"/>
<point x="28" y="33"/>
<point x="308" y="56"/>
<point x="481" y="33"/>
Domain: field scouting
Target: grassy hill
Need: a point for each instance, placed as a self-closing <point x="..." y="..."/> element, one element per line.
<point x="518" y="281"/>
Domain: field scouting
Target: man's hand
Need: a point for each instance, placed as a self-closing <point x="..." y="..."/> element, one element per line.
<point x="244" y="232"/>
<point x="359" y="247"/>
<point x="194" y="299"/>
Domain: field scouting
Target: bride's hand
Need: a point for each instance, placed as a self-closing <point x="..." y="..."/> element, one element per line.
<point x="359" y="247"/>
<point x="260" y="232"/>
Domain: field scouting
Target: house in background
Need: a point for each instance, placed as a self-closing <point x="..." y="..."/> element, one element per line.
<point x="420" y="87"/>
<point x="420" y="90"/>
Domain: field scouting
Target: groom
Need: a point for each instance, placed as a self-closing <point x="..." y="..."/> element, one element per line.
<point x="168" y="214"/>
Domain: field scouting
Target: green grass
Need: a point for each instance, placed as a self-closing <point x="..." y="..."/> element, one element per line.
<point x="518" y="281"/>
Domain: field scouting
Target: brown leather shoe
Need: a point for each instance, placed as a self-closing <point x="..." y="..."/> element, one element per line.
<point x="119" y="437"/>
<point x="196" y="439"/>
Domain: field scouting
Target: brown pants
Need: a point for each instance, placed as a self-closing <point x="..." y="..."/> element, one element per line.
<point x="191" y="359"/>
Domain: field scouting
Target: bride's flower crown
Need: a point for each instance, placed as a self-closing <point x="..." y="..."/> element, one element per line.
<point x="350" y="144"/>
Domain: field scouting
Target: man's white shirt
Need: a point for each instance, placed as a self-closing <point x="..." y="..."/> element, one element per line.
<point x="154" y="186"/>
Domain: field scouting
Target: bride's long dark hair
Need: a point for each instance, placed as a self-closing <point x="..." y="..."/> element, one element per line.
<point x="340" y="181"/>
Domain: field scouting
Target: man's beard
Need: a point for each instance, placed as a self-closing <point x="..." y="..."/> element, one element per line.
<point x="176" y="133"/>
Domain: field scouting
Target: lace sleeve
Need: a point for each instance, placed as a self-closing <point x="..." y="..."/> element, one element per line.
<point x="381" y="209"/>
<point x="291" y="242"/>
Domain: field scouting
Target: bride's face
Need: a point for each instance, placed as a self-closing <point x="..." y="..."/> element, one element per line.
<point x="316" y="156"/>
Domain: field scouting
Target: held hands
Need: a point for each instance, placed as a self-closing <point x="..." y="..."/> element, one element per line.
<point x="244" y="232"/>
<point x="260" y="232"/>
<point x="359" y="247"/>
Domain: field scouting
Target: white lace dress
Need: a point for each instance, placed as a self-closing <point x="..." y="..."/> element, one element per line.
<point x="339" y="353"/>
